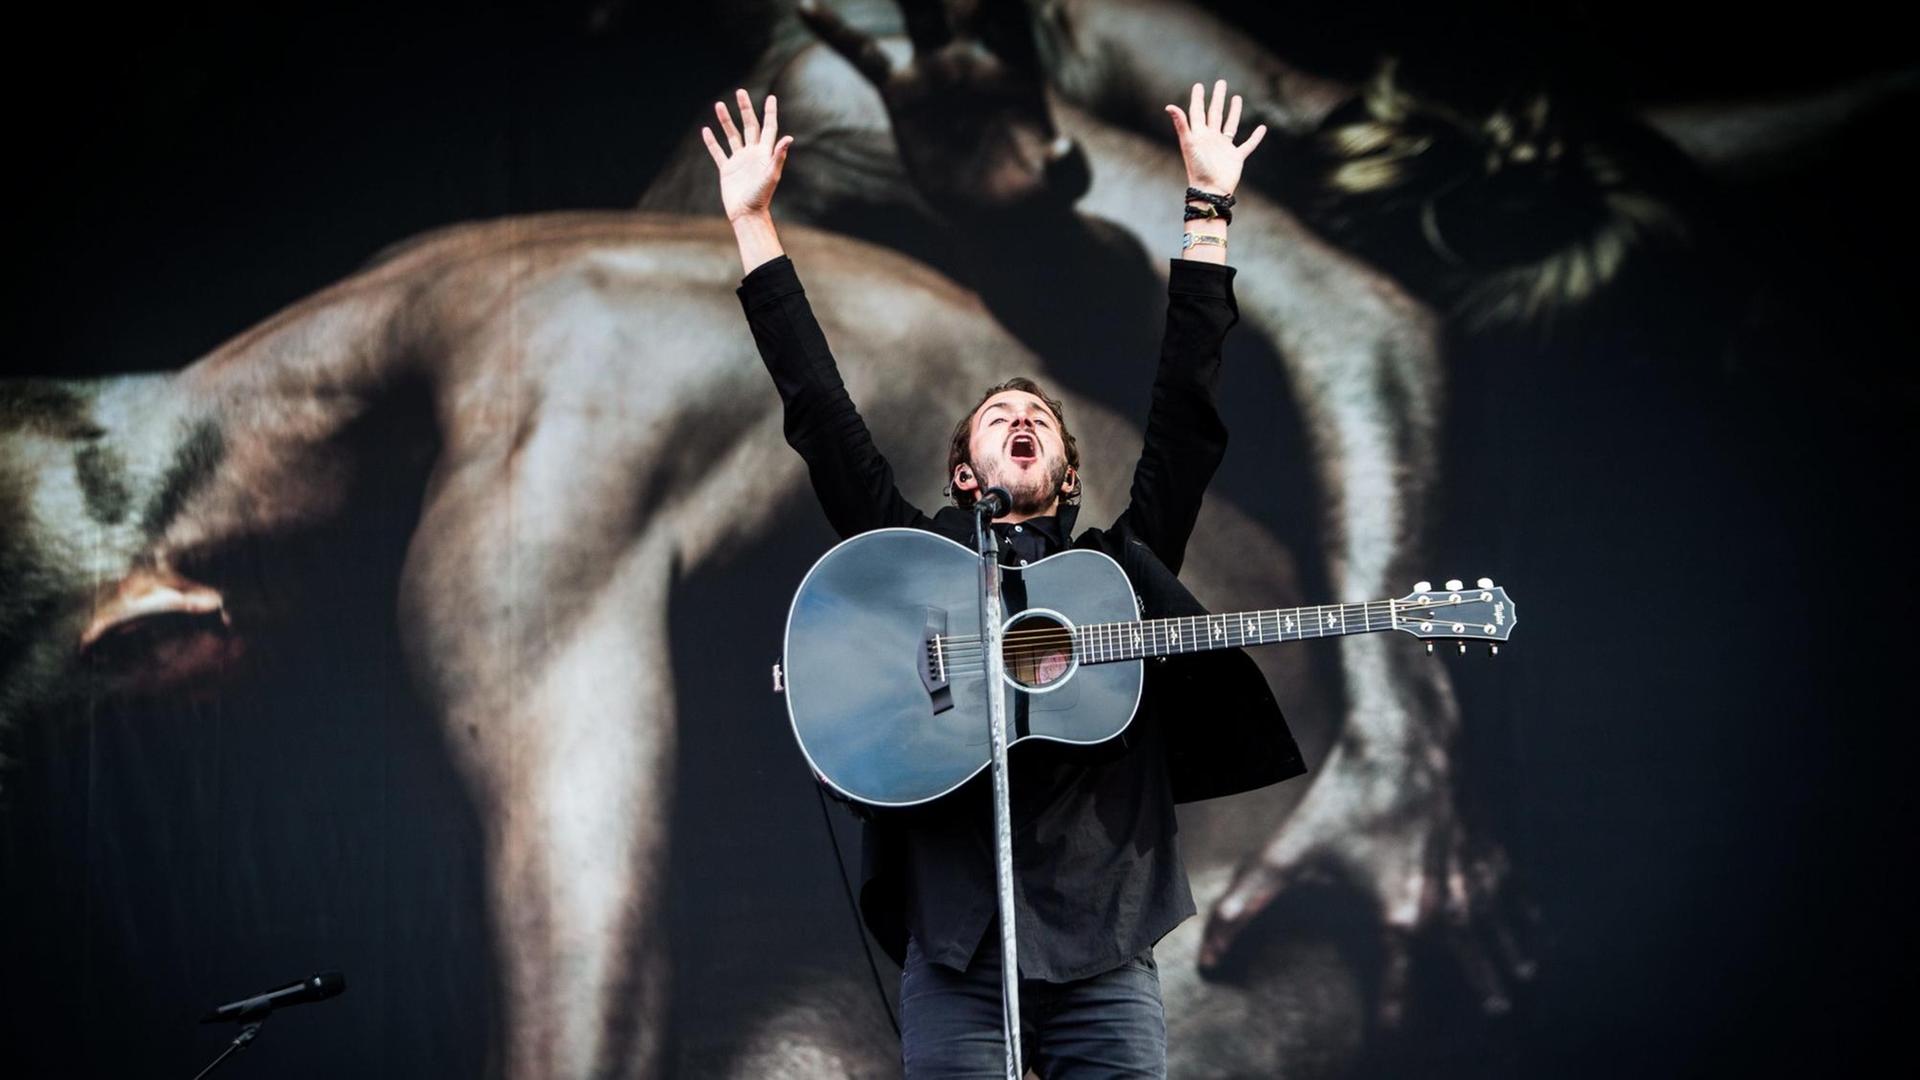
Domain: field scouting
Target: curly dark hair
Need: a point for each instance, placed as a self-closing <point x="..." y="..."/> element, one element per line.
<point x="963" y="435"/>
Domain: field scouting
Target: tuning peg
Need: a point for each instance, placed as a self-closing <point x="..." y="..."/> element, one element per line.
<point x="1493" y="650"/>
<point x="1423" y="586"/>
<point x="1454" y="585"/>
<point x="1485" y="583"/>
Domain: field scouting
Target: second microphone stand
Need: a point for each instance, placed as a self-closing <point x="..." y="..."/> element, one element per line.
<point x="249" y="1031"/>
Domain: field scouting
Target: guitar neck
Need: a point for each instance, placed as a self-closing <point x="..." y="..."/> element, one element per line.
<point x="1102" y="643"/>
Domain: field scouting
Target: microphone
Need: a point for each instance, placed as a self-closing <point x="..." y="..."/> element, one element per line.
<point x="994" y="502"/>
<point x="318" y="988"/>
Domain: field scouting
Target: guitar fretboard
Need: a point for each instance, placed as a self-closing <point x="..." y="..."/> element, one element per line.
<point x="1100" y="643"/>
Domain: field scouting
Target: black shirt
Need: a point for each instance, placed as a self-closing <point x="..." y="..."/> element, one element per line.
<point x="1098" y="875"/>
<point x="1097" y="867"/>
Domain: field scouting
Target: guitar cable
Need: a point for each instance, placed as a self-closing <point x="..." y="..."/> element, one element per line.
<point x="853" y="905"/>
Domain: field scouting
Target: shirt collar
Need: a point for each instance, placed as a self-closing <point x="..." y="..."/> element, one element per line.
<point x="1052" y="527"/>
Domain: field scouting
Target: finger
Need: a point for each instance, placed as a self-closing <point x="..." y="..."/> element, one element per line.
<point x="713" y="146"/>
<point x="860" y="50"/>
<point x="1233" y="117"/>
<point x="1513" y="956"/>
<point x="1479" y="972"/>
<point x="1253" y="140"/>
<point x="1396" y="971"/>
<point x="1197" y="107"/>
<point x="1179" y="121"/>
<point x="749" y="123"/>
<point x="927" y="23"/>
<point x="770" y="123"/>
<point x="1512" y="921"/>
<point x="1231" y="913"/>
<point x="1216" y="112"/>
<point x="780" y="155"/>
<point x="726" y="124"/>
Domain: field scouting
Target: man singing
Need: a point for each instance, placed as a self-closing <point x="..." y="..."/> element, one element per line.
<point x="1098" y="873"/>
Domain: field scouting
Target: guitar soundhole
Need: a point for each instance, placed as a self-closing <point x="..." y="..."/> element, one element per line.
<point x="1039" y="651"/>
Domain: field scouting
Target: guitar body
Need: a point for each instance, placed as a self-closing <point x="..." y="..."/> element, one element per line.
<point x="889" y="716"/>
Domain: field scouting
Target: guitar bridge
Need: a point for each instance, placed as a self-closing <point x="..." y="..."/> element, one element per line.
<point x="933" y="661"/>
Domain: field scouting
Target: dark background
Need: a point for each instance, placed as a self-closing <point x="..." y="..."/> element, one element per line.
<point x="1694" y="749"/>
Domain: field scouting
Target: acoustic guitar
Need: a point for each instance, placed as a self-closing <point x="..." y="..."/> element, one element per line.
<point x="885" y="674"/>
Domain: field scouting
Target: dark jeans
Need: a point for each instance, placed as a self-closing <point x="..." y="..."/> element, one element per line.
<point x="1110" y="1025"/>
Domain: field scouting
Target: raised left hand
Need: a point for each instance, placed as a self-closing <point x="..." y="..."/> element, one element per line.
<point x="1206" y="139"/>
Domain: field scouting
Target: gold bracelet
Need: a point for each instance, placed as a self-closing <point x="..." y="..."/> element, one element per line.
<point x="1188" y="241"/>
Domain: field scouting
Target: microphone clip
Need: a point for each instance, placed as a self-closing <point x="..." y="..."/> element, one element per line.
<point x="994" y="502"/>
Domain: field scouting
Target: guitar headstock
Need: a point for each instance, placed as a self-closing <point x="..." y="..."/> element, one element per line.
<point x="1456" y="612"/>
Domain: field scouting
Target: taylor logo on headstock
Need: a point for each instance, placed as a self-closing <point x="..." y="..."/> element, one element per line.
<point x="1483" y="613"/>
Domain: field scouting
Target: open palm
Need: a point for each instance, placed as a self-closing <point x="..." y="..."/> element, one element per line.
<point x="755" y="156"/>
<point x="1206" y="139"/>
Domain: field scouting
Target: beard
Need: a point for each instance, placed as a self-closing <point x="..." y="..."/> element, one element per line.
<point x="1033" y="490"/>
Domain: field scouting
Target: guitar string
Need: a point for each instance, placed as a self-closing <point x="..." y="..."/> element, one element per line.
<point x="954" y="644"/>
<point x="975" y="665"/>
<point x="970" y="659"/>
<point x="1260" y="615"/>
<point x="974" y="662"/>
<point x="974" y="659"/>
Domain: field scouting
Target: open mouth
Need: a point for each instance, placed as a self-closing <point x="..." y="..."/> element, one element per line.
<point x="1023" y="448"/>
<point x="161" y="644"/>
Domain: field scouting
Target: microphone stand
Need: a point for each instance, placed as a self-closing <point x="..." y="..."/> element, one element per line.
<point x="990" y="620"/>
<point x="248" y="1031"/>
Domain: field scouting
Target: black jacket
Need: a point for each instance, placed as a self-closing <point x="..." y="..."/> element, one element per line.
<point x="1210" y="720"/>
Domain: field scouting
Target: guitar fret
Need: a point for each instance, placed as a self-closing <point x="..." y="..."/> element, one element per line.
<point x="1100" y="643"/>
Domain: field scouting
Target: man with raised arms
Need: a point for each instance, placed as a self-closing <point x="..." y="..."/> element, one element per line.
<point x="1098" y="873"/>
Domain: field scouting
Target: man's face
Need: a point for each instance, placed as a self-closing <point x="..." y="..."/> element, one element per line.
<point x="1016" y="444"/>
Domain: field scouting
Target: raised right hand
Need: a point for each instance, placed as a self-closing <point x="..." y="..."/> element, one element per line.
<point x="756" y="156"/>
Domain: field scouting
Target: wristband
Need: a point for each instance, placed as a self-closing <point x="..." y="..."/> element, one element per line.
<point x="1211" y="206"/>
<point x="1189" y="241"/>
<point x="1223" y="202"/>
<point x="1207" y="212"/>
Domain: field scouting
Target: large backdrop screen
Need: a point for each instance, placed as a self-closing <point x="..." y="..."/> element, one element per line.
<point x="397" y="529"/>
